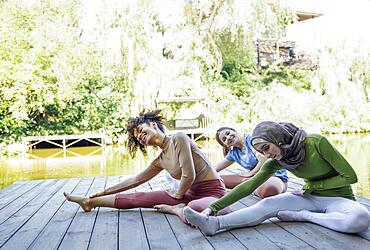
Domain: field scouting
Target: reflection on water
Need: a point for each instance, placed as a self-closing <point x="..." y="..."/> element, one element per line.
<point x="75" y="162"/>
<point x="94" y="161"/>
<point x="356" y="149"/>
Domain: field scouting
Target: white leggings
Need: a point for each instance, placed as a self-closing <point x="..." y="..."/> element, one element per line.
<point x="336" y="213"/>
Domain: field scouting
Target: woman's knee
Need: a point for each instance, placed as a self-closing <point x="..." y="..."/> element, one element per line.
<point x="358" y="221"/>
<point x="232" y="181"/>
<point x="201" y="204"/>
<point x="196" y="206"/>
<point x="268" y="190"/>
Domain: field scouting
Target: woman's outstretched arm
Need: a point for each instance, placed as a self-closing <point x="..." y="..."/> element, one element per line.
<point x="245" y="188"/>
<point x="131" y="182"/>
<point x="221" y="165"/>
<point x="261" y="160"/>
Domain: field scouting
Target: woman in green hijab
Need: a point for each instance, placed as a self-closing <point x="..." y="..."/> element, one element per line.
<point x="326" y="199"/>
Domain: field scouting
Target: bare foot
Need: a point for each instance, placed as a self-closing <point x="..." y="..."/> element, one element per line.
<point x="175" y="209"/>
<point x="82" y="201"/>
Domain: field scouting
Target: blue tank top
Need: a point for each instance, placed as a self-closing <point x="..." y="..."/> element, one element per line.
<point x="247" y="158"/>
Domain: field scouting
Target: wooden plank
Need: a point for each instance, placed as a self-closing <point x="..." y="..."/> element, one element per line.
<point x="253" y="239"/>
<point x="249" y="236"/>
<point x="218" y="242"/>
<point x="275" y="233"/>
<point x="158" y="230"/>
<point x="280" y="237"/>
<point x="323" y="238"/>
<point x="225" y="240"/>
<point x="16" y="221"/>
<point x="188" y="237"/>
<point x="29" y="231"/>
<point x="52" y="234"/>
<point x="79" y="232"/>
<point x="11" y="208"/>
<point x="11" y="188"/>
<point x="12" y="196"/>
<point x="132" y="234"/>
<point x="131" y="231"/>
<point x="105" y="233"/>
<point x="347" y="240"/>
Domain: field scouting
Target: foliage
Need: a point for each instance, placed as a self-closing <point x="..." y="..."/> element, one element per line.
<point x="56" y="82"/>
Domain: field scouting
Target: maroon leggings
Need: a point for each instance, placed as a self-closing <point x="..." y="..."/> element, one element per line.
<point x="198" y="197"/>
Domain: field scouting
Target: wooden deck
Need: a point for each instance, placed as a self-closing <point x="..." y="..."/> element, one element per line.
<point x="35" y="215"/>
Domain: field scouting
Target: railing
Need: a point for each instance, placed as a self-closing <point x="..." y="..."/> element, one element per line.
<point x="65" y="141"/>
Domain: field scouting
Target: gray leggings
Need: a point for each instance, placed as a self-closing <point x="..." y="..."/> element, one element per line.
<point x="339" y="214"/>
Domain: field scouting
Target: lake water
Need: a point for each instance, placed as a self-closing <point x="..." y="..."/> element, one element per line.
<point x="94" y="161"/>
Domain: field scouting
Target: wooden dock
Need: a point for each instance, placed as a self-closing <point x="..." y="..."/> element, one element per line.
<point x="35" y="215"/>
<point x="65" y="141"/>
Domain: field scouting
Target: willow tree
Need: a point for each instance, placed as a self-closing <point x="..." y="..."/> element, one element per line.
<point x="31" y="86"/>
<point x="53" y="80"/>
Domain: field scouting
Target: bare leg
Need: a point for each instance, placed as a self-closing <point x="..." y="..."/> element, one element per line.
<point x="87" y="204"/>
<point x="273" y="186"/>
<point x="232" y="180"/>
<point x="197" y="205"/>
<point x="175" y="209"/>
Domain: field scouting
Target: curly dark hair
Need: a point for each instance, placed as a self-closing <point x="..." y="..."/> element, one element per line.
<point x="132" y="144"/>
<point x="225" y="150"/>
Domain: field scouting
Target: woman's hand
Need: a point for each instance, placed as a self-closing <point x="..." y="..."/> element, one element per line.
<point x="173" y="193"/>
<point x="207" y="212"/>
<point x="298" y="192"/>
<point x="98" y="194"/>
<point x="307" y="188"/>
<point x="261" y="158"/>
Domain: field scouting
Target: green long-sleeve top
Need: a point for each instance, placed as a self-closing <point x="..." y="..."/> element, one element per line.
<point x="324" y="170"/>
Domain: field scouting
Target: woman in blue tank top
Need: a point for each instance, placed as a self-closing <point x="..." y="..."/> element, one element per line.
<point x="238" y="148"/>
